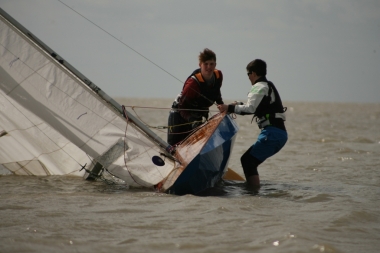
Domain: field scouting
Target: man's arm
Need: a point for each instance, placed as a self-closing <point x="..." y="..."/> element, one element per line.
<point x="256" y="94"/>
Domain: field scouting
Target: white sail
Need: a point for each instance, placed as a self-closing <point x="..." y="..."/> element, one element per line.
<point x="52" y="123"/>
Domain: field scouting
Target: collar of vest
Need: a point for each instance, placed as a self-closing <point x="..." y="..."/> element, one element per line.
<point x="200" y="77"/>
<point x="261" y="79"/>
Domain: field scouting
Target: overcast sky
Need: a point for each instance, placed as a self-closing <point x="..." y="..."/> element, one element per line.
<point x="326" y="51"/>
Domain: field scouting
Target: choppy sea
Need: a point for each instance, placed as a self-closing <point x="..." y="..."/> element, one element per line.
<point x="321" y="193"/>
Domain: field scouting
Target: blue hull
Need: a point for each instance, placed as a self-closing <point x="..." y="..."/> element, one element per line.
<point x="209" y="165"/>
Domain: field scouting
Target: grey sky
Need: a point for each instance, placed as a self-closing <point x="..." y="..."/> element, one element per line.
<point x="315" y="50"/>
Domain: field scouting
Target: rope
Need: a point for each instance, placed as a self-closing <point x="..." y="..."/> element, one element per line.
<point x="120" y="41"/>
<point x="166" y="108"/>
<point x="125" y="144"/>
<point x="163" y="127"/>
<point x="146" y="58"/>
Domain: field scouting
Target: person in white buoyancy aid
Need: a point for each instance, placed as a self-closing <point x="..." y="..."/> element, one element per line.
<point x="265" y="104"/>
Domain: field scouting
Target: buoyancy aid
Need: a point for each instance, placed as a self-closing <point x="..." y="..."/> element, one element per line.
<point x="208" y="93"/>
<point x="271" y="113"/>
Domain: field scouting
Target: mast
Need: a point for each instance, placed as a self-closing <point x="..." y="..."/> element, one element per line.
<point x="164" y="145"/>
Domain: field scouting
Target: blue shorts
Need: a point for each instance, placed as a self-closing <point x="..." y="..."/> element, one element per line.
<point x="269" y="142"/>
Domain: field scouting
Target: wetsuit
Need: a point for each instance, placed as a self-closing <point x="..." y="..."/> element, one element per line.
<point x="193" y="104"/>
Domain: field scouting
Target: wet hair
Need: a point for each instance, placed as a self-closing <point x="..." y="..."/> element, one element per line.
<point x="258" y="66"/>
<point x="206" y="55"/>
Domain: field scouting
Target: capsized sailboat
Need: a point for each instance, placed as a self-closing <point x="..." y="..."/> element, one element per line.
<point x="55" y="121"/>
<point x="203" y="156"/>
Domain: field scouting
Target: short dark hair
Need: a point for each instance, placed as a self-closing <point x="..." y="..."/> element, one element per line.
<point x="258" y="66"/>
<point x="206" y="55"/>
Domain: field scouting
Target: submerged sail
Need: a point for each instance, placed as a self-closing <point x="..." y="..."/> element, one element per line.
<point x="52" y="123"/>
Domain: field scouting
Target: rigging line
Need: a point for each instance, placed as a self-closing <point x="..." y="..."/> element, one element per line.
<point x="132" y="49"/>
<point x="164" y="108"/>
<point x="168" y="108"/>
<point x="165" y="127"/>
<point x="146" y="124"/>
<point x="121" y="41"/>
<point x="125" y="152"/>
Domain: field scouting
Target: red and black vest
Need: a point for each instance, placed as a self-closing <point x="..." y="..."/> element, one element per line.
<point x="209" y="94"/>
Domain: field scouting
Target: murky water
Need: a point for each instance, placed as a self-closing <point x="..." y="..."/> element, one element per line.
<point x="321" y="193"/>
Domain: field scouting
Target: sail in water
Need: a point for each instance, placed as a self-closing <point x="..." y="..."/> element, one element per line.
<point x="54" y="120"/>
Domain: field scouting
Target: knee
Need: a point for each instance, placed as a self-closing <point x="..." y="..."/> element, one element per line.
<point x="249" y="164"/>
<point x="245" y="157"/>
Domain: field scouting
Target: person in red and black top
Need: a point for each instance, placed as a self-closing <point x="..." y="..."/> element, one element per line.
<point x="200" y="91"/>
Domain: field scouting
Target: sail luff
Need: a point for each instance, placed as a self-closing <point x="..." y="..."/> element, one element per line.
<point x="55" y="115"/>
<point x="90" y="84"/>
